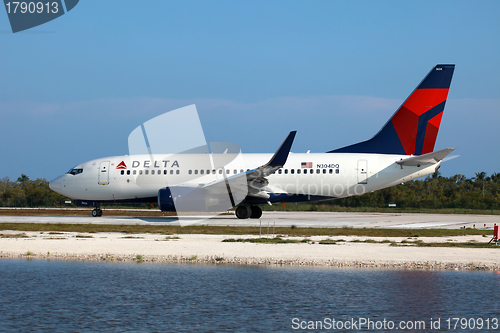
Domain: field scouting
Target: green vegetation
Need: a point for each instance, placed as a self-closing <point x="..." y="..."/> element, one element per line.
<point x="25" y="192"/>
<point x="329" y="241"/>
<point x="275" y="240"/>
<point x="419" y="243"/>
<point x="470" y="244"/>
<point x="385" y="241"/>
<point x="23" y="235"/>
<point x="139" y="257"/>
<point x="227" y="230"/>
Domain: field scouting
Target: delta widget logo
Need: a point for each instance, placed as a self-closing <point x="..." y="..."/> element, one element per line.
<point x="122" y="165"/>
<point x="25" y="15"/>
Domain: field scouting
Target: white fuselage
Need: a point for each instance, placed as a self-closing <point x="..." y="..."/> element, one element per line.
<point x="329" y="175"/>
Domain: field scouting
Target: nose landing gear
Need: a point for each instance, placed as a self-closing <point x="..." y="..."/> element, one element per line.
<point x="96" y="212"/>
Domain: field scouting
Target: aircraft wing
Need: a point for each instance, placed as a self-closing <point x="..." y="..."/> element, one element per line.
<point x="430" y="158"/>
<point x="255" y="179"/>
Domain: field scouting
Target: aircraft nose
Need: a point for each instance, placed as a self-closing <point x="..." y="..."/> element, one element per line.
<point x="56" y="184"/>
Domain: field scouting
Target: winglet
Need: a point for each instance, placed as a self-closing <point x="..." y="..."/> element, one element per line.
<point x="279" y="158"/>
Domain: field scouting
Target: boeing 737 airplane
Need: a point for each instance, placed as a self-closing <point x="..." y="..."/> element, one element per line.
<point x="401" y="151"/>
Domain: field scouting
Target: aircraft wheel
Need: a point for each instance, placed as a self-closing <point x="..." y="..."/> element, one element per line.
<point x="243" y="212"/>
<point x="95" y="212"/>
<point x="256" y="212"/>
<point x="99" y="212"/>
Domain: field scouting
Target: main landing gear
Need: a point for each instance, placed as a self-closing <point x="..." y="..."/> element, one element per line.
<point x="245" y="212"/>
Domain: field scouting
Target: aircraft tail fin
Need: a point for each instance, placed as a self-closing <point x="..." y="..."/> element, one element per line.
<point x="413" y="129"/>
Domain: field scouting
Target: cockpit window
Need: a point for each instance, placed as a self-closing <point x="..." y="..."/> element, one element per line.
<point x="74" y="171"/>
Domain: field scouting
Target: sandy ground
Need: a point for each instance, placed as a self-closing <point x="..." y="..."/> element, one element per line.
<point x="210" y="248"/>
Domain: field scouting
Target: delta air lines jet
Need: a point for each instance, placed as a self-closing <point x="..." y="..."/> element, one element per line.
<point x="401" y="151"/>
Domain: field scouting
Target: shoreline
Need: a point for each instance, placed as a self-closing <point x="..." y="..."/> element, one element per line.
<point x="259" y="262"/>
<point x="350" y="251"/>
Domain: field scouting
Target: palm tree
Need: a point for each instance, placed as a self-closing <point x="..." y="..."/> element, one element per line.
<point x="495" y="177"/>
<point x="481" y="176"/>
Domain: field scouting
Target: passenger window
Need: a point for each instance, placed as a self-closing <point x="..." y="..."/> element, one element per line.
<point x="195" y="172"/>
<point x="235" y="171"/>
<point x="146" y="172"/>
<point x="317" y="171"/>
<point x="331" y="170"/>
<point x="324" y="170"/>
<point x="208" y="172"/>
<point x="134" y="172"/>
<point x="336" y="170"/>
<point x="128" y="172"/>
<point x="202" y="172"/>
<point x="140" y="172"/>
<point x="220" y="171"/>
<point x="279" y="171"/>
<point x="292" y="171"/>
<point x="177" y="172"/>
<point x="286" y="171"/>
<point x="171" y="172"/>
<point x="190" y="171"/>
<point x="228" y="172"/>
<point x="241" y="170"/>
<point x="164" y="172"/>
<point x="123" y="172"/>
<point x="298" y="171"/>
<point x="152" y="172"/>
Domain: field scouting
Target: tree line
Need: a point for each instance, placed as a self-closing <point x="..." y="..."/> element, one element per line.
<point x="479" y="192"/>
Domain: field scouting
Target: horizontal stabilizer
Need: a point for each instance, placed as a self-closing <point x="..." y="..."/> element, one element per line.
<point x="430" y="158"/>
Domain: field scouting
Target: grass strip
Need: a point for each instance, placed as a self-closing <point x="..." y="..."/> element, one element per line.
<point x="23" y="235"/>
<point x="227" y="230"/>
<point x="275" y="240"/>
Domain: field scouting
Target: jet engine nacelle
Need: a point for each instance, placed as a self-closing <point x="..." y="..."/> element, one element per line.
<point x="189" y="199"/>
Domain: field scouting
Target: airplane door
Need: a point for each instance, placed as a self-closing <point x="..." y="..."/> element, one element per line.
<point x="362" y="171"/>
<point x="103" y="178"/>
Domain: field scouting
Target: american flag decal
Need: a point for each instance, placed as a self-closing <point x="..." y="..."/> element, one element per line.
<point x="306" y="165"/>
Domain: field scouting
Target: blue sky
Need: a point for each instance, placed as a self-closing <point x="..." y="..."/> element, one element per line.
<point x="74" y="88"/>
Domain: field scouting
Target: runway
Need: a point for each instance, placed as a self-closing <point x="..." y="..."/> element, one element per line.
<point x="286" y="219"/>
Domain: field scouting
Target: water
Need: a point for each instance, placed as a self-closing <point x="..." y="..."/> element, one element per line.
<point x="59" y="296"/>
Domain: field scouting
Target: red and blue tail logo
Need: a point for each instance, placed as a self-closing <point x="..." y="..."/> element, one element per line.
<point x="413" y="129"/>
